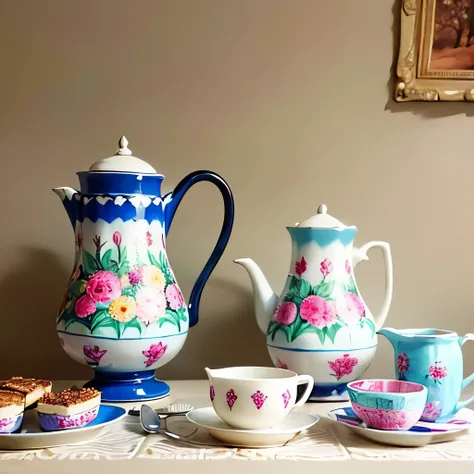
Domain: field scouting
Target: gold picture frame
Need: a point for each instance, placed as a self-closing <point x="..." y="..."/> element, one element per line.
<point x="436" y="45"/>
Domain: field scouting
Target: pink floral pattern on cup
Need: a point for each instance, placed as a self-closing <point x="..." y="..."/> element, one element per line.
<point x="212" y="393"/>
<point x="431" y="411"/>
<point x="317" y="311"/>
<point x="437" y="372"/>
<point x="286" y="398"/>
<point x="342" y="366"/>
<point x="325" y="267"/>
<point x="285" y="314"/>
<point x="259" y="399"/>
<point x="381" y="419"/>
<point x="154" y="353"/>
<point x="231" y="398"/>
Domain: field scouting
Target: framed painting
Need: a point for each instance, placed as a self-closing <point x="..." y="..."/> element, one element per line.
<point x="436" y="56"/>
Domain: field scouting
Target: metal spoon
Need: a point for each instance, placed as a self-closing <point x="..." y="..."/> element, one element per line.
<point x="149" y="420"/>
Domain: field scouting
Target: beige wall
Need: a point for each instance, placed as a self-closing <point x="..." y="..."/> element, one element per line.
<point x="289" y="100"/>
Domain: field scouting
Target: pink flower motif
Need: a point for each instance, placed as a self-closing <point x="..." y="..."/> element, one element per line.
<point x="212" y="393"/>
<point x="103" y="286"/>
<point x="317" y="311"/>
<point x="135" y="276"/>
<point x="174" y="297"/>
<point x="7" y="423"/>
<point x="285" y="314"/>
<point x="154" y="353"/>
<point x="94" y="353"/>
<point x="381" y="419"/>
<point x="437" y="371"/>
<point x="281" y="364"/>
<point x="431" y="411"/>
<point x="348" y="267"/>
<point x="259" y="399"/>
<point x="149" y="240"/>
<point x="75" y="421"/>
<point x="300" y="267"/>
<point x="85" y="306"/>
<point x="402" y="362"/>
<point x="231" y="397"/>
<point x="286" y="398"/>
<point x="342" y="366"/>
<point x="151" y="304"/>
<point x="325" y="267"/>
<point x="117" y="238"/>
<point x="354" y="303"/>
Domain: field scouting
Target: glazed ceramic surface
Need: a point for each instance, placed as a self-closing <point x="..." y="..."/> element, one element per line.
<point x="432" y="357"/>
<point x="255" y="397"/>
<point x="387" y="404"/>
<point x="420" y="434"/>
<point x="279" y="435"/>
<point x="320" y="324"/>
<point x="31" y="436"/>
<point x="123" y="313"/>
<point x="50" y="422"/>
<point x="10" y="424"/>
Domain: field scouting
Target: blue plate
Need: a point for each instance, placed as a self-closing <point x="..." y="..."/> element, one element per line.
<point x="31" y="436"/>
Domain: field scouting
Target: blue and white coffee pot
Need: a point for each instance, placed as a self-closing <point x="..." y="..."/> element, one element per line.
<point x="123" y="313"/>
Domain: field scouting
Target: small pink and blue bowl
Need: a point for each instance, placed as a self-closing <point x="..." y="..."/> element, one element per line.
<point x="387" y="404"/>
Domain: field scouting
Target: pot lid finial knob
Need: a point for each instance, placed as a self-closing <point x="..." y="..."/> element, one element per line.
<point x="322" y="209"/>
<point x="123" y="147"/>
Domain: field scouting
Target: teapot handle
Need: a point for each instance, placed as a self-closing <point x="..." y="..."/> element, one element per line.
<point x="361" y="254"/>
<point x="467" y="380"/>
<point x="172" y="200"/>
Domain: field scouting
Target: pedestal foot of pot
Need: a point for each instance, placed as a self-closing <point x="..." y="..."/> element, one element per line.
<point x="128" y="387"/>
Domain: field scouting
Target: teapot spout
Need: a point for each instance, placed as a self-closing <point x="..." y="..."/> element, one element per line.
<point x="71" y="202"/>
<point x="265" y="300"/>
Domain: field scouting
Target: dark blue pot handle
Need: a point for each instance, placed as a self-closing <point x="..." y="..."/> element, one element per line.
<point x="172" y="201"/>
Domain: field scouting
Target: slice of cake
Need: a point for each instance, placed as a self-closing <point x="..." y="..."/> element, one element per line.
<point x="12" y="405"/>
<point x="32" y="389"/>
<point x="68" y="409"/>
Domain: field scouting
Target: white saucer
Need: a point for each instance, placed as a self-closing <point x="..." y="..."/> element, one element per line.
<point x="279" y="435"/>
<point x="31" y="436"/>
<point x="421" y="434"/>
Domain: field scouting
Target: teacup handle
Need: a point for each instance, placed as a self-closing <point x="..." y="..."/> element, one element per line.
<point x="300" y="380"/>
<point x="467" y="380"/>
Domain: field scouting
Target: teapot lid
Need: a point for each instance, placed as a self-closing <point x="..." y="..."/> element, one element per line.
<point x="323" y="220"/>
<point x="123" y="161"/>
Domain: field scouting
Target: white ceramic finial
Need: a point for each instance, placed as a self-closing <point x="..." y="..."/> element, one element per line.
<point x="322" y="209"/>
<point x="123" y="147"/>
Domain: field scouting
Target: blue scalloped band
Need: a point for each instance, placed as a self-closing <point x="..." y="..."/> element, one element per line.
<point x="119" y="183"/>
<point x="323" y="237"/>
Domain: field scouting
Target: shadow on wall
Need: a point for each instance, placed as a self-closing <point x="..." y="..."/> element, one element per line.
<point x="30" y="293"/>
<point x="425" y="109"/>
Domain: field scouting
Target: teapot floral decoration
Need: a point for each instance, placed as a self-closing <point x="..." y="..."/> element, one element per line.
<point x="123" y="313"/>
<point x="320" y="325"/>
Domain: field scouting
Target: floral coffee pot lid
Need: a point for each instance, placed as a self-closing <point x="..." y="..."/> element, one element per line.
<point x="323" y="220"/>
<point x="123" y="161"/>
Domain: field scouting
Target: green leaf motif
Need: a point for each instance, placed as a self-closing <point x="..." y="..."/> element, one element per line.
<point x="77" y="288"/>
<point x="106" y="260"/>
<point x="325" y="289"/>
<point x="298" y="290"/>
<point x="167" y="319"/>
<point x="130" y="291"/>
<point x="352" y="286"/>
<point x="369" y="323"/>
<point x="90" y="263"/>
<point x="100" y="319"/>
<point x="182" y="314"/>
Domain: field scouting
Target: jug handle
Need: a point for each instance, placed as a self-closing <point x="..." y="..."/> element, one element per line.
<point x="172" y="201"/>
<point x="467" y="380"/>
<point x="361" y="254"/>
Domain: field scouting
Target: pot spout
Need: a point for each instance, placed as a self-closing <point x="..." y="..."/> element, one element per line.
<point x="265" y="300"/>
<point x="71" y="202"/>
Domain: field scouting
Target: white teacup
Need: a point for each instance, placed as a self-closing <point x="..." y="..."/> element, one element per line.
<point x="253" y="398"/>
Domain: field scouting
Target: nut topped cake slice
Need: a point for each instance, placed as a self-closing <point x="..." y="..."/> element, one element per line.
<point x="12" y="405"/>
<point x="68" y="409"/>
<point x="31" y="388"/>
